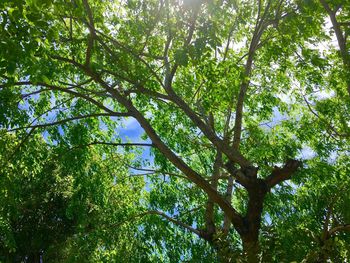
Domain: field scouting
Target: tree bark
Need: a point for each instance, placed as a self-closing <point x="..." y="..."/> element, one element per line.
<point x="224" y="254"/>
<point x="250" y="234"/>
<point x="251" y="250"/>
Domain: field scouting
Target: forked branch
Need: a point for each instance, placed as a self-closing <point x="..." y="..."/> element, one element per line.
<point x="279" y="175"/>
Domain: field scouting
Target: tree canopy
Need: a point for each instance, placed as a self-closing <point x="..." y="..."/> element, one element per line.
<point x="57" y="205"/>
<point x="244" y="109"/>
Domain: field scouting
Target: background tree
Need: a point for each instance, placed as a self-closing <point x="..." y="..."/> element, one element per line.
<point x="57" y="207"/>
<point x="231" y="95"/>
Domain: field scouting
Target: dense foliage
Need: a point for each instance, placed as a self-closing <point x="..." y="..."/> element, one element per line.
<point x="244" y="108"/>
<point x="58" y="202"/>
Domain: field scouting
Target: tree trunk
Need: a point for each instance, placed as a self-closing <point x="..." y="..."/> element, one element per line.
<point x="250" y="235"/>
<point x="224" y="252"/>
<point x="251" y="250"/>
<point x="34" y="258"/>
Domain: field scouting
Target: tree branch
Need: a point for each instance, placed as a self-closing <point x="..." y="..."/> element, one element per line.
<point x="330" y="126"/>
<point x="192" y="175"/>
<point x="91" y="27"/>
<point x="122" y="144"/>
<point x="153" y="171"/>
<point x="229" y="188"/>
<point x="116" y="144"/>
<point x="258" y="31"/>
<point x="164" y="215"/>
<point x="151" y="93"/>
<point x="71" y="119"/>
<point x="131" y="52"/>
<point x="18" y="147"/>
<point x="341" y="40"/>
<point x="334" y="230"/>
<point x="209" y="211"/>
<point x="175" y="221"/>
<point x="279" y="175"/>
<point x="66" y="90"/>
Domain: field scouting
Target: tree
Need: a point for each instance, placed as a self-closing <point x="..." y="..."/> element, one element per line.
<point x="56" y="207"/>
<point x="230" y="94"/>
